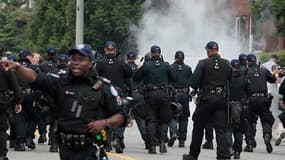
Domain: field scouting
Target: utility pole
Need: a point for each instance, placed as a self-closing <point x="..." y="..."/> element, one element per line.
<point x="79" y="22"/>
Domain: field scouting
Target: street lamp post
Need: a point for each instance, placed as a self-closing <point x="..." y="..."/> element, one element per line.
<point x="79" y="21"/>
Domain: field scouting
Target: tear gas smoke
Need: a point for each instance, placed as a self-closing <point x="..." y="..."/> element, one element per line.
<point x="187" y="25"/>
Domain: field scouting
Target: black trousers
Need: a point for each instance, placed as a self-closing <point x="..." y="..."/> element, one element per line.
<point x="182" y="120"/>
<point x="260" y="107"/>
<point x="212" y="108"/>
<point x="68" y="154"/>
<point x="158" y="115"/>
<point x="209" y="129"/>
<point x="3" y="129"/>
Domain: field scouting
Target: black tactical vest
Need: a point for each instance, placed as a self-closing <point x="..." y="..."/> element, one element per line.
<point x="182" y="76"/>
<point x="258" y="81"/>
<point x="49" y="67"/>
<point x="216" y="72"/>
<point x="78" y="104"/>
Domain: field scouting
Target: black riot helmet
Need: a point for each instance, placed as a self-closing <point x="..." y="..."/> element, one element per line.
<point x="235" y="63"/>
<point x="242" y="59"/>
<point x="155" y="49"/>
<point x="251" y="58"/>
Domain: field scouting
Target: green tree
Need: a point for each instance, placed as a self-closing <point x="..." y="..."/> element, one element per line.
<point x="13" y="20"/>
<point x="266" y="9"/>
<point x="111" y="20"/>
<point x="52" y="25"/>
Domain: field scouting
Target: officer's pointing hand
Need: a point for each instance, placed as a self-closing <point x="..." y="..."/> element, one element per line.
<point x="97" y="126"/>
<point x="7" y="65"/>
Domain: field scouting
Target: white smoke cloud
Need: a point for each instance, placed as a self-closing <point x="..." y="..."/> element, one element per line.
<point x="187" y="25"/>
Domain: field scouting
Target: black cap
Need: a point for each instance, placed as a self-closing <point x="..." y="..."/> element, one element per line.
<point x="131" y="54"/>
<point x="110" y="45"/>
<point x="179" y="54"/>
<point x="155" y="49"/>
<point x="212" y="45"/>
<point x="25" y="52"/>
<point x="51" y="51"/>
<point x="235" y="63"/>
<point x="63" y="58"/>
<point x="83" y="49"/>
<point x="242" y="57"/>
<point x="251" y="58"/>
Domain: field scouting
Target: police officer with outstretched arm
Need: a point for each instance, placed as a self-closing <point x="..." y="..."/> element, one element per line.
<point x="85" y="103"/>
<point x="210" y="78"/>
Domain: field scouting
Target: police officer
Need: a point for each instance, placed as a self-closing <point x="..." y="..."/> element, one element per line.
<point x="50" y="65"/>
<point x="26" y="120"/>
<point x="85" y="104"/>
<point x="239" y="91"/>
<point x="138" y="109"/>
<point x="8" y="83"/>
<point x="156" y="76"/>
<point x="63" y="61"/>
<point x="118" y="72"/>
<point x="243" y="63"/>
<point x="181" y="95"/>
<point x="259" y="103"/>
<point x="210" y="78"/>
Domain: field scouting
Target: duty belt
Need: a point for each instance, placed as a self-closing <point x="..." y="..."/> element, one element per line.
<point x="258" y="95"/>
<point x="4" y="92"/>
<point x="135" y="90"/>
<point x="184" y="90"/>
<point x="76" y="142"/>
<point x="217" y="91"/>
<point x="27" y="91"/>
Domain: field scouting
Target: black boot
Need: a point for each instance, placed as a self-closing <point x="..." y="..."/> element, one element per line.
<point x="236" y="155"/>
<point x="162" y="148"/>
<point x="30" y="144"/>
<point x="248" y="148"/>
<point x="181" y="144"/>
<point x="267" y="139"/>
<point x="171" y="141"/>
<point x="117" y="146"/>
<point x="152" y="150"/>
<point x="53" y="148"/>
<point x="189" y="157"/>
<point x="19" y="147"/>
<point x="42" y="139"/>
<point x="208" y="145"/>
<point x="12" y="143"/>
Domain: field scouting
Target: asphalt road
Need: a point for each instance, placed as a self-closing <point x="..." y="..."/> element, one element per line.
<point x="135" y="150"/>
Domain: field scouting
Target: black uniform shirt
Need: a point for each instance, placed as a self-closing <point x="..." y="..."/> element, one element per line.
<point x="183" y="74"/>
<point x="239" y="86"/>
<point x="155" y="72"/>
<point x="206" y="77"/>
<point x="77" y="101"/>
<point x="258" y="78"/>
<point x="115" y="70"/>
